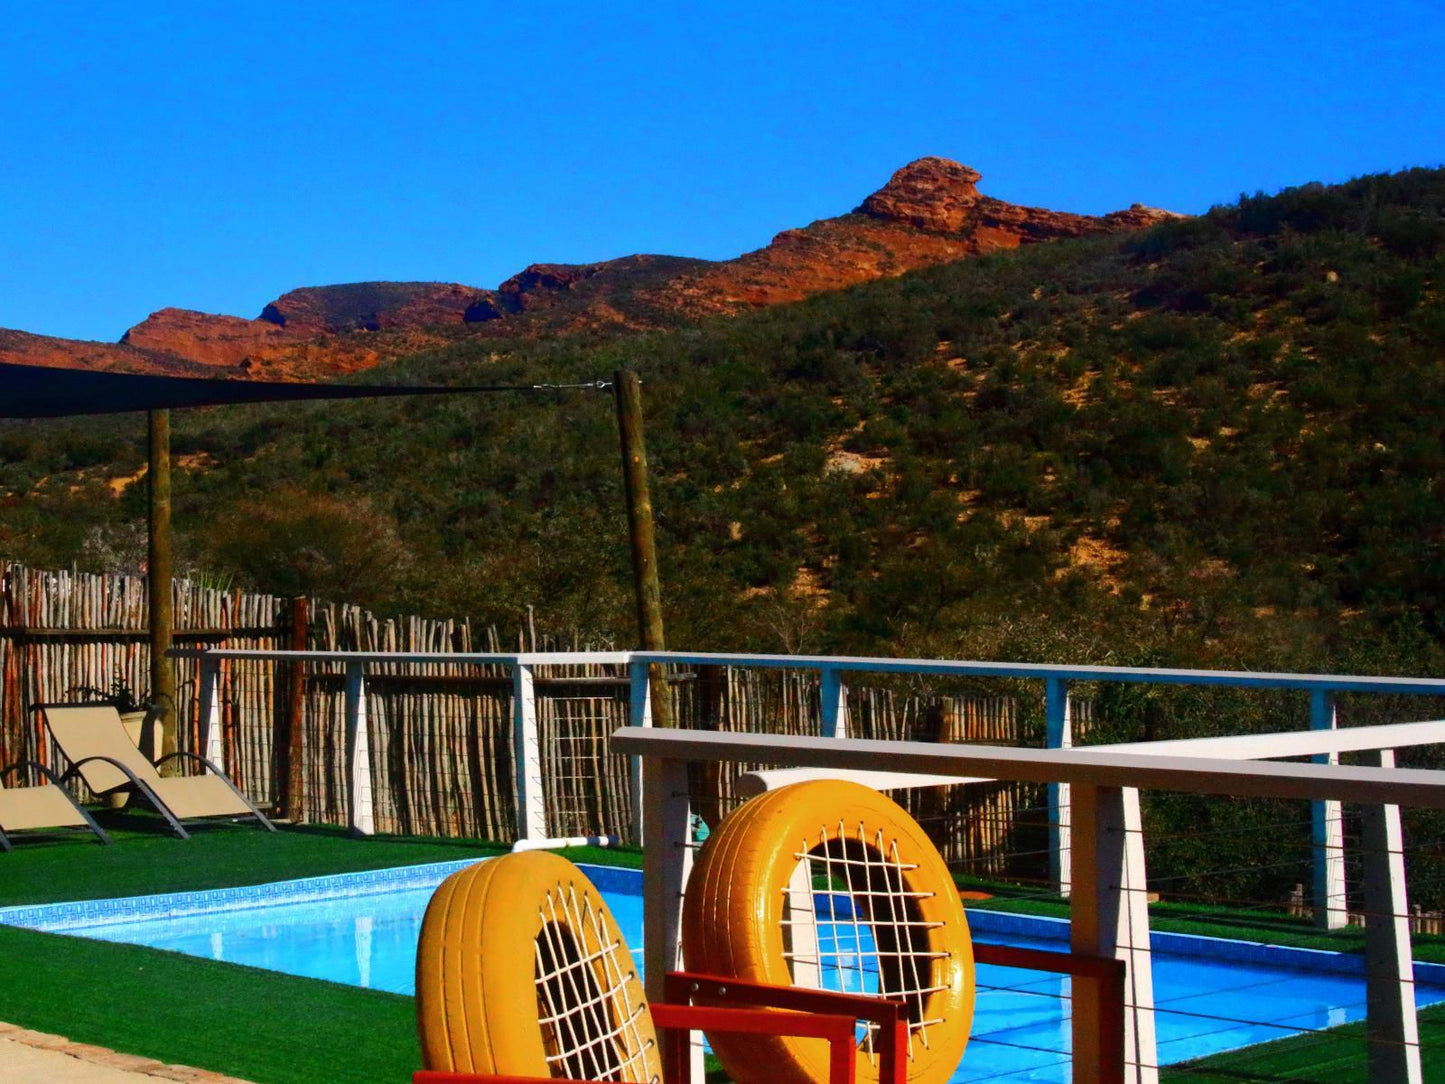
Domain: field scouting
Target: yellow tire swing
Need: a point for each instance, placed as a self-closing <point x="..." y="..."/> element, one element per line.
<point x="831" y="884"/>
<point x="522" y="971"/>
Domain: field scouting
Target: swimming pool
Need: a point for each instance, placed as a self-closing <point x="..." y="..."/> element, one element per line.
<point x="361" y="929"/>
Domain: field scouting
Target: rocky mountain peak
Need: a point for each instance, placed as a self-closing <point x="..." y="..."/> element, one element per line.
<point x="932" y="194"/>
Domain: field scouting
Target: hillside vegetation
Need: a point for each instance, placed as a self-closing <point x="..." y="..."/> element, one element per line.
<point x="1217" y="442"/>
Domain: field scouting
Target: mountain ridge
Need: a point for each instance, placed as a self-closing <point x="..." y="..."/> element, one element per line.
<point x="929" y="212"/>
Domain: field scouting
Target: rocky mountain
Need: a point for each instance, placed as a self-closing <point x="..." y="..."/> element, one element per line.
<point x="930" y="212"/>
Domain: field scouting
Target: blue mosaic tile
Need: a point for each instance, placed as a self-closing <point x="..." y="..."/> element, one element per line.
<point x="56" y="917"/>
<point x="83" y="914"/>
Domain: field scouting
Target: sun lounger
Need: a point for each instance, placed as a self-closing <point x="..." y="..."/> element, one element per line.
<point x="102" y="754"/>
<point x="27" y="809"/>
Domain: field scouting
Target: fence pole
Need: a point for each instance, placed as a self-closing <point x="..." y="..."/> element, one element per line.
<point x="294" y="777"/>
<point x="1391" y="1027"/>
<point x="362" y="815"/>
<point x="833" y="700"/>
<point x="642" y="532"/>
<point x="1058" y="734"/>
<point x="1327" y="831"/>
<point x="212" y="747"/>
<point x="158" y="574"/>
<point x="527" y="756"/>
<point x="639" y="714"/>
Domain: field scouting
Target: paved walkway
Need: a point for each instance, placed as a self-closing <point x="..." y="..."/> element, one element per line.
<point x="32" y="1057"/>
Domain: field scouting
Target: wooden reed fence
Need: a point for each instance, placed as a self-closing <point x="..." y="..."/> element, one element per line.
<point x="440" y="733"/>
<point x="1421" y="920"/>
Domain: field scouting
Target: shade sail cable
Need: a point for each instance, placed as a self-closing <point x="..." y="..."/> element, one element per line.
<point x="37" y="391"/>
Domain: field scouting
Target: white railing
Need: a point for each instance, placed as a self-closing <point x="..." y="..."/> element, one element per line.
<point x="1098" y="825"/>
<point x="531" y="809"/>
<point x="1109" y="910"/>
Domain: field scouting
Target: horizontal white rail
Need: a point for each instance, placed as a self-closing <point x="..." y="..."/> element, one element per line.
<point x="751" y="784"/>
<point x="1100" y="767"/>
<point x="1294" y="743"/>
<point x="1243" y="679"/>
<point x="481" y="658"/>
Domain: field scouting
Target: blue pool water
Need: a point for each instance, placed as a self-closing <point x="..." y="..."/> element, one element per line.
<point x="362" y="930"/>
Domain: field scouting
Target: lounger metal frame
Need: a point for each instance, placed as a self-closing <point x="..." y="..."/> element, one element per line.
<point x="59" y="782"/>
<point x="138" y="787"/>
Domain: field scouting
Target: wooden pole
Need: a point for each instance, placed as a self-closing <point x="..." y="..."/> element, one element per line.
<point x="293" y="798"/>
<point x="628" y="390"/>
<point x="159" y="570"/>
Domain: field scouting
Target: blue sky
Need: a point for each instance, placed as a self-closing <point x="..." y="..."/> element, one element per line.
<point x="212" y="156"/>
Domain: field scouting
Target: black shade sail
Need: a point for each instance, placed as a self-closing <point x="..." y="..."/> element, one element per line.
<point x="37" y="391"/>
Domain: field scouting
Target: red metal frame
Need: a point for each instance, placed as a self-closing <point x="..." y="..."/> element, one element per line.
<point x="731" y="1005"/>
<point x="1104" y="973"/>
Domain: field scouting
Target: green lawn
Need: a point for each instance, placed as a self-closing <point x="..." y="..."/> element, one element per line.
<point x="145" y="859"/>
<point x="1206" y="920"/>
<point x="258" y="1025"/>
<point x="1337" y="1056"/>
<point x="253" y="1024"/>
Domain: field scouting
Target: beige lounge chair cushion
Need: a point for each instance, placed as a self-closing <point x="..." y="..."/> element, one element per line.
<point x="46" y="806"/>
<point x="188" y="796"/>
<point x="97" y="731"/>
<point x="83" y="732"/>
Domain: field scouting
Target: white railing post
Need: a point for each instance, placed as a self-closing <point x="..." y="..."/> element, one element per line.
<point x="212" y="747"/>
<point x="833" y="700"/>
<point x="666" y="864"/>
<point x="527" y="756"/>
<point x="639" y="714"/>
<point x="1058" y="734"/>
<point x="1109" y="913"/>
<point x="1327" y="831"/>
<point x="1391" y="1027"/>
<point x="358" y="747"/>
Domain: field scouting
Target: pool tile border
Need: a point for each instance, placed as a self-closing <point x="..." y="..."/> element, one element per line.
<point x="83" y="914"/>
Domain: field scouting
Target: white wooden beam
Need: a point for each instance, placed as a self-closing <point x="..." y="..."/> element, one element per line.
<point x="1244" y="679"/>
<point x="1327" y="830"/>
<point x="1391" y="1026"/>
<point x="1058" y="734"/>
<point x="639" y="715"/>
<point x="666" y="866"/>
<point x="1110" y="918"/>
<point x="833" y="702"/>
<point x="751" y="784"/>
<point x="361" y="812"/>
<point x="1097" y="765"/>
<point x="1242" y="747"/>
<point x="527" y="756"/>
<point x="212" y="747"/>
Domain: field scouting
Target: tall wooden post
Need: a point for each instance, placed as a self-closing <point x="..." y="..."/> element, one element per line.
<point x="628" y="390"/>
<point x="159" y="569"/>
<point x="293" y="799"/>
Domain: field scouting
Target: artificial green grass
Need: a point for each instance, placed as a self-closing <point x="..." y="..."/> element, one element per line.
<point x="258" y="1025"/>
<point x="1337" y="1056"/>
<point x="1208" y="920"/>
<point x="147" y="859"/>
